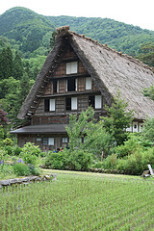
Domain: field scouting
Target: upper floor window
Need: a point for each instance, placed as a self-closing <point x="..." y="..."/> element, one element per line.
<point x="72" y="84"/>
<point x="49" y="105"/>
<point x="71" y="103"/>
<point x="95" y="101"/>
<point x="55" y="86"/>
<point x="88" y="83"/>
<point x="71" y="68"/>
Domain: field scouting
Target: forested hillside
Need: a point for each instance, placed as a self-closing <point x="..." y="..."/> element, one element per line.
<point x="29" y="31"/>
<point x="26" y="38"/>
<point x="118" y="35"/>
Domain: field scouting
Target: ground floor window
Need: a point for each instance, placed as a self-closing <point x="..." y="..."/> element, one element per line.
<point x="48" y="141"/>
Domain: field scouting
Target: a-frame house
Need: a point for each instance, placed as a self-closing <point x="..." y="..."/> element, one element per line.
<point x="79" y="72"/>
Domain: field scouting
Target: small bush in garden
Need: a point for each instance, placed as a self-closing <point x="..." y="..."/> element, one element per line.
<point x="28" y="158"/>
<point x="32" y="149"/>
<point x="17" y="150"/>
<point x="12" y="150"/>
<point x="110" y="162"/>
<point x="78" y="160"/>
<point x="33" y="170"/>
<point x="21" y="169"/>
<point x="30" y="152"/>
<point x="129" y="146"/>
<point x="136" y="163"/>
<point x="55" y="160"/>
<point x="7" y="142"/>
<point x="9" y="150"/>
<point x="72" y="160"/>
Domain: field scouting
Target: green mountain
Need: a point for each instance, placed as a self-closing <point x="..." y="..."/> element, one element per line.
<point x="118" y="35"/>
<point x="31" y="32"/>
<point x="26" y="27"/>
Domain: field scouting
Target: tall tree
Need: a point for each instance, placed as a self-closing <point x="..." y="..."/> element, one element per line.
<point x="117" y="120"/>
<point x="6" y="63"/>
<point x="17" y="66"/>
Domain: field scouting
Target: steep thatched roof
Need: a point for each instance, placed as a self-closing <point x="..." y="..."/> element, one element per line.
<point x="112" y="72"/>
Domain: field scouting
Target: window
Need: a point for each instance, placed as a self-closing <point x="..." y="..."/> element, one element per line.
<point x="46" y="105"/>
<point x="55" y="86"/>
<point x="48" y="141"/>
<point x="88" y="83"/>
<point x="64" y="140"/>
<point x="71" y="68"/>
<point x="51" y="141"/>
<point x="74" y="103"/>
<point x="71" y="84"/>
<point x="95" y="101"/>
<point x="49" y="105"/>
<point x="38" y="139"/>
<point x="92" y="101"/>
<point x="98" y="101"/>
<point x="71" y="103"/>
<point x="52" y="105"/>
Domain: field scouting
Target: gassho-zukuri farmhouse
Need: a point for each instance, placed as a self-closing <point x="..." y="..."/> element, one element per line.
<point x="80" y="72"/>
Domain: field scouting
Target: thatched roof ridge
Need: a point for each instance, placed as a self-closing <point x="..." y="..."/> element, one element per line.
<point x="112" y="71"/>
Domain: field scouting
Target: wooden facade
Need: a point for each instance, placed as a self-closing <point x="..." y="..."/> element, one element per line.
<point x="79" y="73"/>
<point x="55" y="103"/>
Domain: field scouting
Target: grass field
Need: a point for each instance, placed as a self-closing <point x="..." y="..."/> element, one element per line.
<point x="79" y="202"/>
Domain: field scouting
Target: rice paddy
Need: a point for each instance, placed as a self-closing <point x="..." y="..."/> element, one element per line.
<point x="79" y="202"/>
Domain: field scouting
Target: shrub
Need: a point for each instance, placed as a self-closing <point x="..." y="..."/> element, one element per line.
<point x="7" y="142"/>
<point x="17" y="150"/>
<point x="75" y="160"/>
<point x="55" y="160"/>
<point x="30" y="152"/>
<point x="136" y="163"/>
<point x="12" y="150"/>
<point x="21" y="169"/>
<point x="78" y="160"/>
<point x="9" y="150"/>
<point x="32" y="149"/>
<point x="33" y="170"/>
<point x="129" y="146"/>
<point x="28" y="158"/>
<point x="110" y="162"/>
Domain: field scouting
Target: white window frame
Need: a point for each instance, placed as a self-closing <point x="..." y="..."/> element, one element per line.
<point x="65" y="140"/>
<point x="71" y="67"/>
<point x="88" y="83"/>
<point x="98" y="101"/>
<point x="51" y="141"/>
<point x="74" y="103"/>
<point x="52" y="105"/>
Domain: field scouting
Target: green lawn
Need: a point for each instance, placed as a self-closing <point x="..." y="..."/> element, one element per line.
<point x="79" y="202"/>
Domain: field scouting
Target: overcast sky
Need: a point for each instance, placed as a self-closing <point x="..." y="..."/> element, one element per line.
<point x="135" y="12"/>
